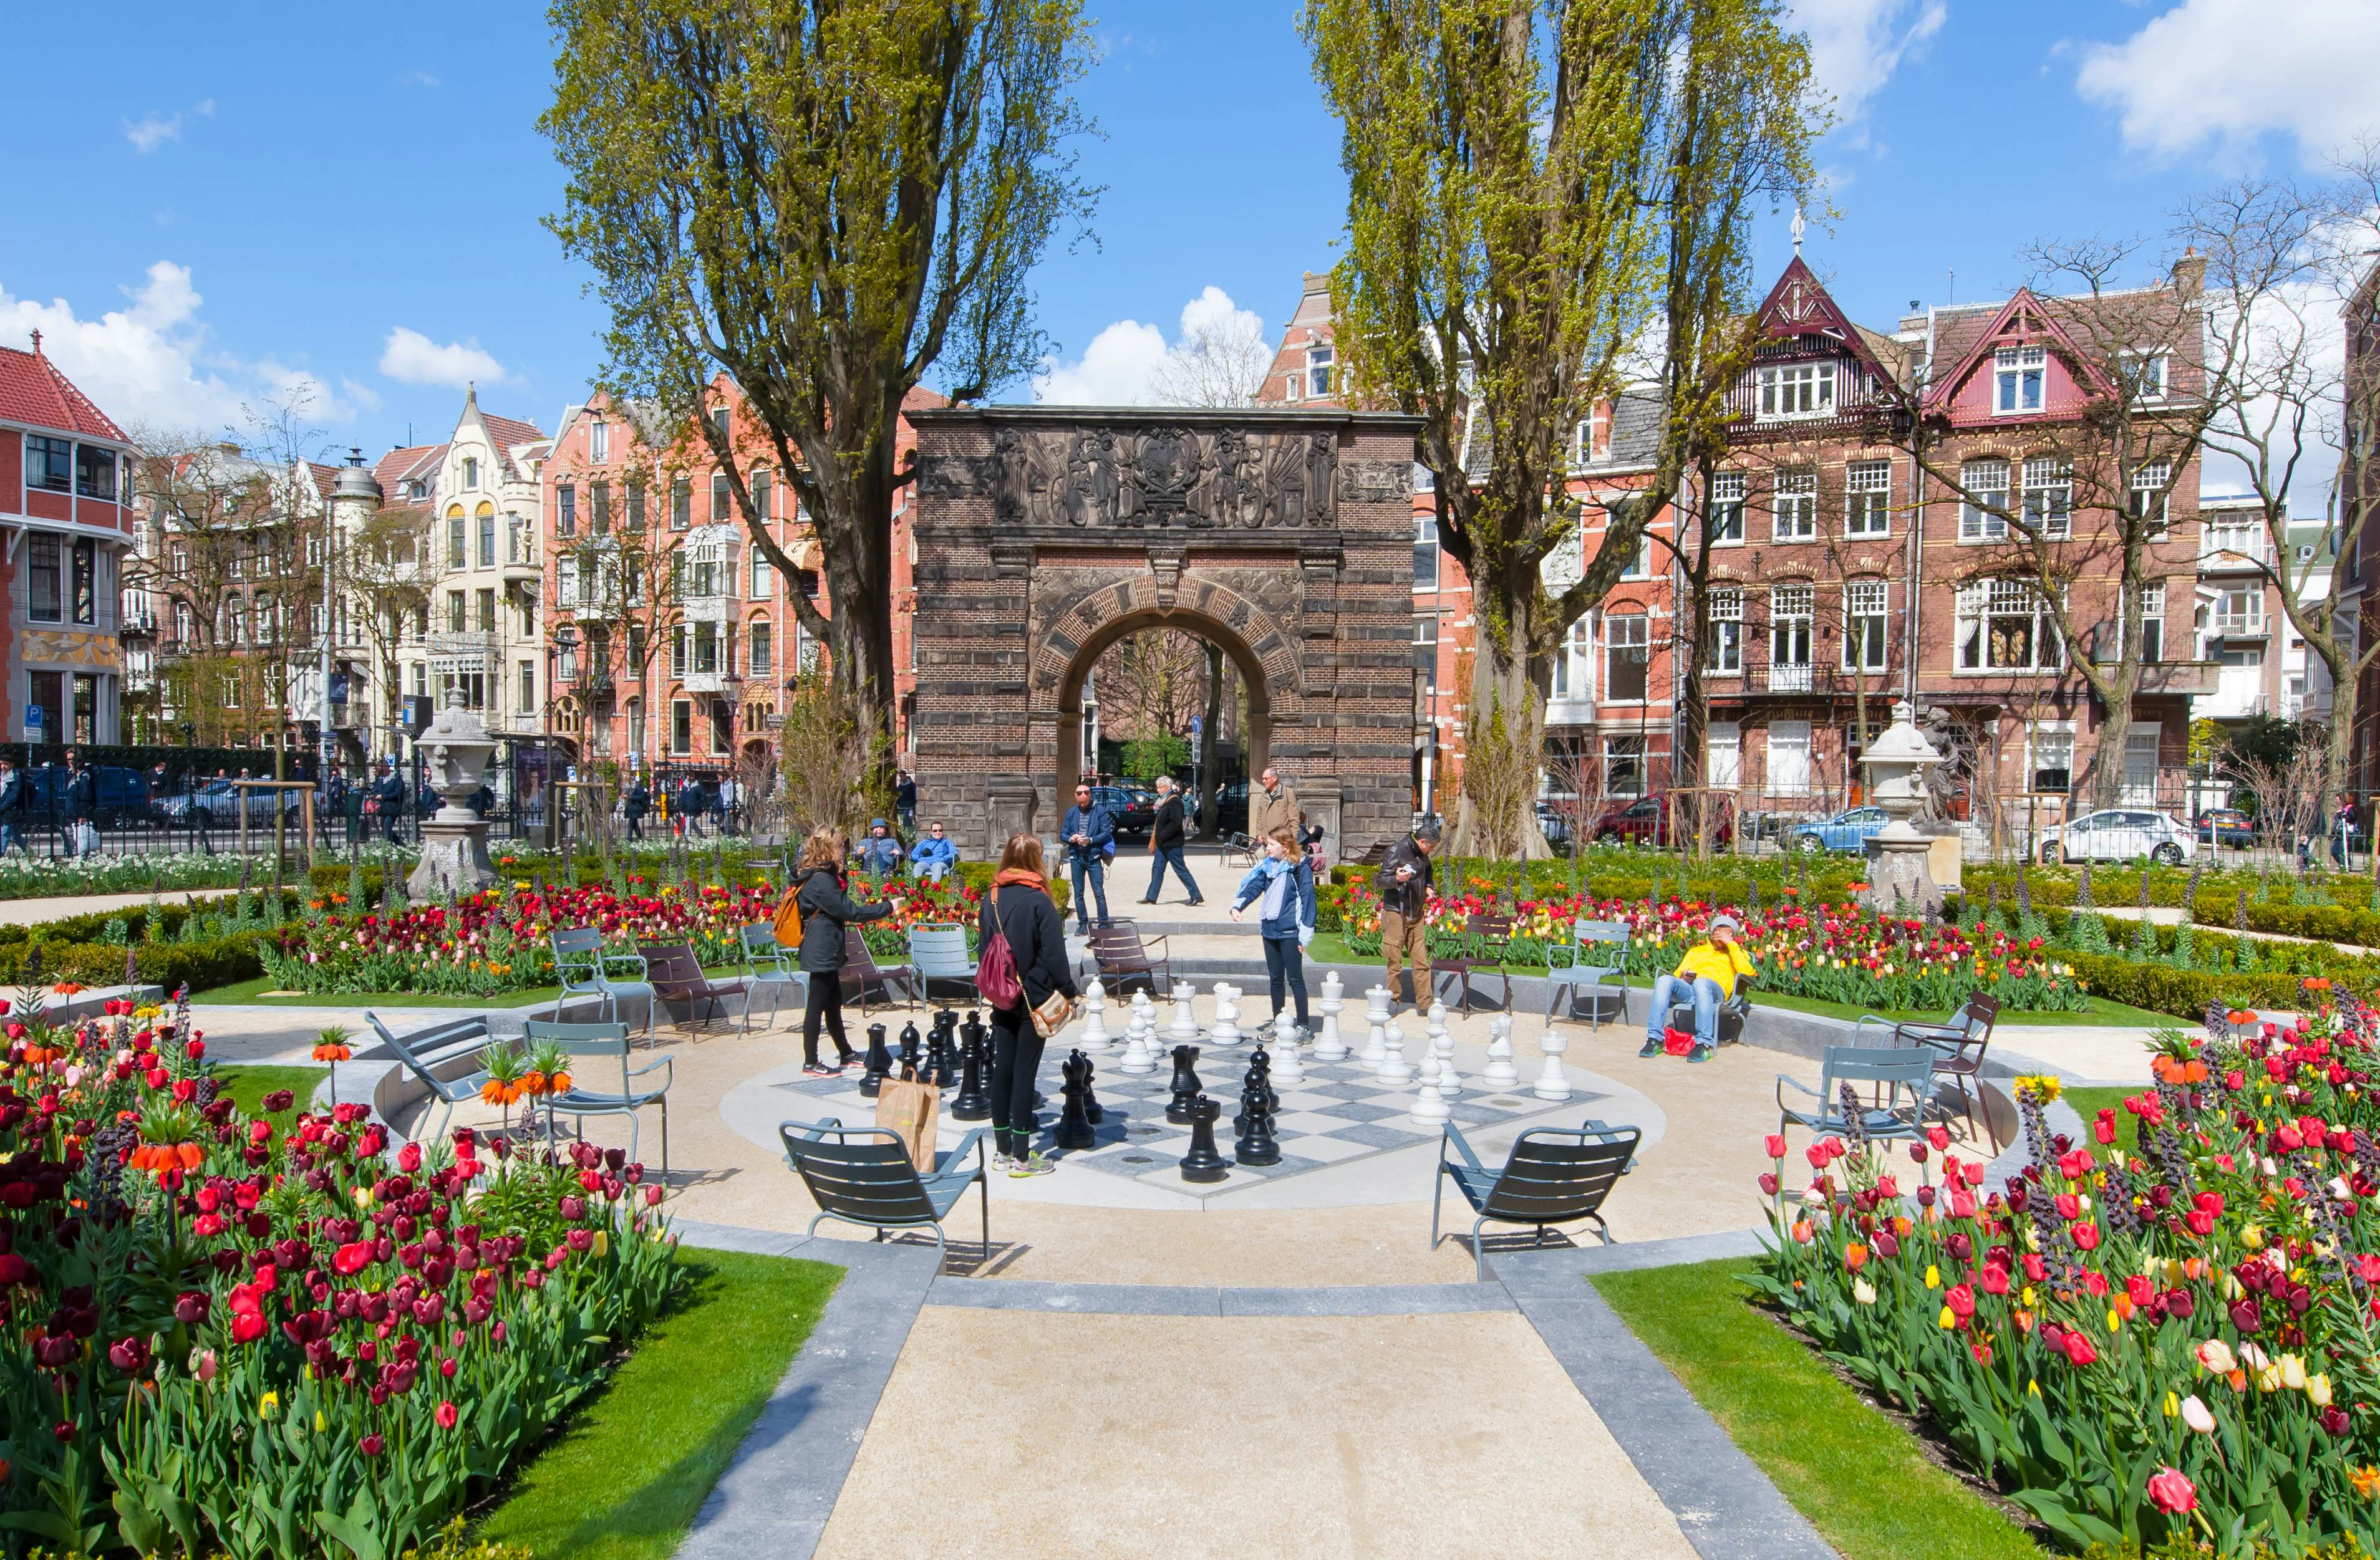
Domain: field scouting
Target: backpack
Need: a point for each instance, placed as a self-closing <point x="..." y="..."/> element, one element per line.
<point x="995" y="972"/>
<point x="788" y="925"/>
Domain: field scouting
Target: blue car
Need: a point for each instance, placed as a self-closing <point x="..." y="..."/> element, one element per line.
<point x="1845" y="831"/>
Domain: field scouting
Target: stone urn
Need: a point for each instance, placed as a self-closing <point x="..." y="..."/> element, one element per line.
<point x="456" y="749"/>
<point x="1897" y="764"/>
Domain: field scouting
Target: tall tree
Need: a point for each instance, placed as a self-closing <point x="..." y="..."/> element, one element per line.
<point x="1537" y="188"/>
<point x="826" y="203"/>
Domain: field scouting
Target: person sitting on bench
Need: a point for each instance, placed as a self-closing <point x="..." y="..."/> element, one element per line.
<point x="1705" y="977"/>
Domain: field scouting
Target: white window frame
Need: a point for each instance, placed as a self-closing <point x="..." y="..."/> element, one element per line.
<point x="1573" y="665"/>
<point x="1979" y="603"/>
<point x="2153" y="617"/>
<point x="1727" y="501"/>
<point x="1794" y="515"/>
<point x="2060" y="734"/>
<point x="1790" y="736"/>
<point x="1723" y="753"/>
<point x="1795" y="393"/>
<point x="1793" y="624"/>
<point x="1977" y="524"/>
<point x="1617" y="757"/>
<point x="1723" y="648"/>
<point x="598" y="441"/>
<point x="2012" y="367"/>
<point x="2147" y="479"/>
<point x="1867" y="499"/>
<point x="1867" y="600"/>
<point x="1321" y="368"/>
<point x="2051" y="513"/>
<point x="1616" y="640"/>
<point x="2150" y="372"/>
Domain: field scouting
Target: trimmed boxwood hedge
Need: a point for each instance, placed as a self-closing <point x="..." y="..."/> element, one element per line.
<point x="2217" y="906"/>
<point x="2186" y="994"/>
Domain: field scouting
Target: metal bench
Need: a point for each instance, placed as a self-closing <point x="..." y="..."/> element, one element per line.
<point x="427" y="1052"/>
<point x="1553" y="1176"/>
<point x="862" y="1175"/>
<point x="1887" y="1070"/>
<point x="1241" y="850"/>
<point x="583" y="967"/>
<point x="608" y="1041"/>
<point x="1122" y="957"/>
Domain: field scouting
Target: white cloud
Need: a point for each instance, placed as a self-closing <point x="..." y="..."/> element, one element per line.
<point x="2228" y="71"/>
<point x="148" y="134"/>
<point x="414" y="358"/>
<point x="1217" y="357"/>
<point x="149" y="366"/>
<point x="1855" y="45"/>
<point x="206" y="108"/>
<point x="416" y="77"/>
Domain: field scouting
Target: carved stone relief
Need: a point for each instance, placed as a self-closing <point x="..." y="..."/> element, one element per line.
<point x="1155" y="477"/>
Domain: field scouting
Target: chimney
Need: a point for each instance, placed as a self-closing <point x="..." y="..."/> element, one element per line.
<point x="2190" y="274"/>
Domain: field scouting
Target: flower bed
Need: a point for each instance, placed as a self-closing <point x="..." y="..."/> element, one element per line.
<point x="2172" y="1343"/>
<point x="272" y="1336"/>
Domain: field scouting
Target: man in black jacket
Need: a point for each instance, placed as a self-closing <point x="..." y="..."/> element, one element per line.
<point x="388" y="798"/>
<point x="1166" y="837"/>
<point x="12" y="807"/>
<point x="1404" y="886"/>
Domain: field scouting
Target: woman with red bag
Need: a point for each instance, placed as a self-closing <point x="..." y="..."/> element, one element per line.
<point x="1019" y="911"/>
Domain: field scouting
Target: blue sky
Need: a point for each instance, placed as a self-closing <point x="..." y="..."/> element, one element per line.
<point x="236" y="205"/>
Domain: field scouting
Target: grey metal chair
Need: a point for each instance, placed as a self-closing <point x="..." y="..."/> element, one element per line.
<point x="428" y="1052"/>
<point x="1958" y="1043"/>
<point x="1554" y="1175"/>
<point x="583" y="967"/>
<point x="1886" y="1071"/>
<point x="862" y="1175"/>
<point x="1596" y="958"/>
<point x="608" y="1041"/>
<point x="768" y="968"/>
<point x="937" y="950"/>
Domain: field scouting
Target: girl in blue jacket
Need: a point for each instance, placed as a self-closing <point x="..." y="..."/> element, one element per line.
<point x="1284" y="882"/>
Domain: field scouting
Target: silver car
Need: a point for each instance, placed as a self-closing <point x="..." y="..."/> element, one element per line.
<point x="2120" y="834"/>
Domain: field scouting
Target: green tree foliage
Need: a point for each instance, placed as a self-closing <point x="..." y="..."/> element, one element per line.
<point x="1147" y="758"/>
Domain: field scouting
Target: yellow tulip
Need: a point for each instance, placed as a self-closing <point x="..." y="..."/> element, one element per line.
<point x="2317" y="1391"/>
<point x="2114" y="1321"/>
<point x="2293" y="1371"/>
<point x="1933" y="1277"/>
<point x="2251" y="1236"/>
<point x="2034" y="1387"/>
<point x="2172" y="1405"/>
<point x="1947" y="1321"/>
<point x="269" y="1406"/>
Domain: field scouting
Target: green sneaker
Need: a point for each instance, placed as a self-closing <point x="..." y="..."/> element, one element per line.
<point x="1650" y="1049"/>
<point x="1031" y="1165"/>
<point x="1700" y="1053"/>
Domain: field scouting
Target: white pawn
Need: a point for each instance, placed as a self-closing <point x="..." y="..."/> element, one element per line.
<point x="1551" y="1083"/>
<point x="1138" y="1056"/>
<point x="1429" y="1106"/>
<point x="1095" y="1035"/>
<point x="1327" y="1047"/>
<point x="1283" y="1048"/>
<point x="1185" y="1021"/>
<point x="1500" y="1073"/>
<point x="1394" y="1069"/>
<point x="1378" y="999"/>
<point x="1376" y="1047"/>
<point x="1227" y="1016"/>
<point x="1449" y="1082"/>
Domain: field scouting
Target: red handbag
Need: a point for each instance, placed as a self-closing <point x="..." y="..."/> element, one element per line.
<point x="1677" y="1041"/>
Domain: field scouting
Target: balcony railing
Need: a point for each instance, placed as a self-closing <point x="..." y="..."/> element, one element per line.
<point x="1787" y="677"/>
<point x="2238" y="625"/>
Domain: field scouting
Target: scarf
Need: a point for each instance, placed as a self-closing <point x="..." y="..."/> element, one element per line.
<point x="1030" y="879"/>
<point x="1276" y="896"/>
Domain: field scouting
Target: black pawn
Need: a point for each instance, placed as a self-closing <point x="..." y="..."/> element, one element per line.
<point x="973" y="1103"/>
<point x="1202" y="1163"/>
<point x="1074" y="1128"/>
<point x="1255" y="1146"/>
<point x="879" y="1063"/>
<point x="1256" y="1094"/>
<point x="910" y="1041"/>
<point x="1185" y="1086"/>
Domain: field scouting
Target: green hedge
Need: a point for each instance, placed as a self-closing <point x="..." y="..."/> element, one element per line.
<point x="2186" y="994"/>
<point x="2217" y="904"/>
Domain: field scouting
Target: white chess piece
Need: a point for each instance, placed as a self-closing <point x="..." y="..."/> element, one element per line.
<point x="1381" y="1009"/>
<point x="1095" y="1035"/>
<point x="1429" y="1106"/>
<point x="1327" y="1047"/>
<point x="1331" y="988"/>
<point x="1283" y="1050"/>
<point x="1376" y="1047"/>
<point x="1137" y="1055"/>
<point x="1449" y="1082"/>
<point x="1393" y="1068"/>
<point x="1551" y="1083"/>
<point x="1185" y="1021"/>
<point x="1500" y="1073"/>
<point x="1227" y="1017"/>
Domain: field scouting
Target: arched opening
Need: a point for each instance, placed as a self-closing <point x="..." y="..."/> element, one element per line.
<point x="1237" y="662"/>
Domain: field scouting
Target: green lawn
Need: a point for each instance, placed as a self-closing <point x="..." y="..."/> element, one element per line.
<point x="2088" y="1103"/>
<point x="623" y="1479"/>
<point x="252" y="992"/>
<point x="249" y="1084"/>
<point x="1861" y="1479"/>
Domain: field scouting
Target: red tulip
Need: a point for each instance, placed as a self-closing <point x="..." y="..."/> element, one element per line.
<point x="2078" y="1349"/>
<point x="371" y="1445"/>
<point x="1776" y="1145"/>
<point x="2087" y="1236"/>
<point x="247" y="1326"/>
<point x="448" y="1414"/>
<point x="352" y="1258"/>
<point x="2172" y="1492"/>
<point x="13" y="1270"/>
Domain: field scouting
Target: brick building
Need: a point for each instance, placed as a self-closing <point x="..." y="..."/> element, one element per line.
<point x="2357" y="500"/>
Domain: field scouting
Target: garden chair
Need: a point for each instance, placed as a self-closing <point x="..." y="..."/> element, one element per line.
<point x="677" y="977"/>
<point x="937" y="950"/>
<point x="862" y="1175"/>
<point x="440" y="1049"/>
<point x="583" y="967"/>
<point x="606" y="1041"/>
<point x="1241" y="850"/>
<point x="1122" y="957"/>
<point x="1597" y="953"/>
<point x="1553" y="1176"/>
<point x="1733" y="1009"/>
<point x="1889" y="1069"/>
<point x="767" y="967"/>
<point x="860" y="966"/>
<point x="1492" y="934"/>
<point x="1959" y="1043"/>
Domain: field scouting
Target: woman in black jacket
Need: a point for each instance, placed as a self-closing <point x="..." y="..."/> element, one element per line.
<point x="826" y="911"/>
<point x="1019" y="908"/>
<point x="1168" y="832"/>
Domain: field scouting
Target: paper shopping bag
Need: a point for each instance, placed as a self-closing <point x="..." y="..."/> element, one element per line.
<point x="908" y="1111"/>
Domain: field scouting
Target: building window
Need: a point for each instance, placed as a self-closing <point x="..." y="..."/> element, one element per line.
<point x="763" y="493"/>
<point x="1640" y="562"/>
<point x="1722" y="754"/>
<point x="1627" y="653"/>
<point x="487" y="537"/>
<point x="1867" y="497"/>
<point x="719" y="422"/>
<point x="487" y="611"/>
<point x="1426" y="553"/>
<point x="598" y="441"/>
<point x="1866" y="625"/>
<point x="230" y="691"/>
<point x="526" y="673"/>
<point x="2150" y="481"/>
<point x="1726" y="508"/>
<point x="1318" y="362"/>
<point x="706" y="649"/>
<point x="96" y="472"/>
<point x="636" y="505"/>
<point x="1623" y="765"/>
<point x="2152" y="621"/>
<point x="2053" y="759"/>
<point x="458" y="546"/>
<point x="764" y="577"/>
<point x="566" y="511"/>
<point x="1798" y="389"/>
<point x="2049" y="499"/>
<point x="1574" y="664"/>
<point x="723" y="504"/>
<point x="1789" y="758"/>
<point x="681" y="505"/>
<point x="681" y="726"/>
<point x="83" y="585"/>
<point x="49" y="462"/>
<point x="565" y="579"/>
<point x="2019" y="376"/>
<point x="470" y="471"/>
<point x="1792" y="610"/>
<point x="45" y="595"/>
<point x="1723" y="645"/>
<point x="456" y="622"/>
<point x="1797" y="506"/>
<point x="235" y="621"/>
<point x="2004" y="625"/>
<point x="1982" y="513"/>
<point x="677" y="651"/>
<point x="1424" y="655"/>
<point x="2147" y="372"/>
<point x="761" y="641"/>
<point x="1291" y="388"/>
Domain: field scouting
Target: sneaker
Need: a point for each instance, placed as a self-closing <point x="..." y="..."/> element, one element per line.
<point x="1700" y="1053"/>
<point x="846" y="1061"/>
<point x="1002" y="1163"/>
<point x="1031" y="1165"/>
<point x="820" y="1069"/>
<point x="1650" y="1049"/>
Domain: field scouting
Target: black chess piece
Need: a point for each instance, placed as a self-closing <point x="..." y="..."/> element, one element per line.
<point x="1202" y="1163"/>
<point x="1092" y="1111"/>
<point x="910" y="1041"/>
<point x="879" y="1063"/>
<point x="974" y="1102"/>
<point x="1185" y="1084"/>
<point x="1255" y="1146"/>
<point x="942" y="1069"/>
<point x="1257" y="1092"/>
<point x="1074" y="1128"/>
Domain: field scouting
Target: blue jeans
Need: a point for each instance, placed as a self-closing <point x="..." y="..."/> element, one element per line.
<point x="1096" y="867"/>
<point x="1702" y="991"/>
<point x="933" y="871"/>
<point x="1172" y="853"/>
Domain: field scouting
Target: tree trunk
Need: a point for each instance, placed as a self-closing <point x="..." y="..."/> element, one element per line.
<point x="2115" y="733"/>
<point x="1209" y="740"/>
<point x="1501" y="749"/>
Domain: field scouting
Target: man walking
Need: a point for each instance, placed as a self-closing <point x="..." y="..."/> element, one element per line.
<point x="1087" y="833"/>
<point x="389" y="799"/>
<point x="1405" y="887"/>
<point x="1275" y="806"/>
<point x="1167" y="834"/>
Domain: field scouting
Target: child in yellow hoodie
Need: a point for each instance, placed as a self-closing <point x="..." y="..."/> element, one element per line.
<point x="1705" y="977"/>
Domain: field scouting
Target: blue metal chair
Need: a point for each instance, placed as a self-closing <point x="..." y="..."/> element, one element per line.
<point x="768" y="968"/>
<point x="605" y="1040"/>
<point x="1594" y="961"/>
<point x="862" y="1175"/>
<point x="428" y="1052"/>
<point x="1958" y="1043"/>
<point x="937" y="950"/>
<point x="583" y="967"/>
<point x="1887" y="1072"/>
<point x="1553" y="1175"/>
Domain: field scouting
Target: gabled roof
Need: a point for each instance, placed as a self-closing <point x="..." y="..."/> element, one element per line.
<point x="2026" y="317"/>
<point x="396" y="467"/>
<point x="34" y="393"/>
<point x="1799" y="304"/>
<point x="511" y="432"/>
<point x="323" y="476"/>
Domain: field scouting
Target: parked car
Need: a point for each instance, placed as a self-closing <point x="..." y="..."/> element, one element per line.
<point x="1848" y="831"/>
<point x="2120" y="834"/>
<point x="1554" y="822"/>
<point x="123" y="793"/>
<point x="216" y="805"/>
<point x="1133" y="808"/>
<point x="1646" y="821"/>
<point x="2226" y="825"/>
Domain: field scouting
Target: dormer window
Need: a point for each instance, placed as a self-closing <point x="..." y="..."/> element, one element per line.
<point x="2019" y="377"/>
<point x="1319" y="363"/>
<point x="2146" y="372"/>
<point x="417" y="489"/>
<point x="598" y="441"/>
<point x="1797" y="390"/>
<point x="470" y="471"/>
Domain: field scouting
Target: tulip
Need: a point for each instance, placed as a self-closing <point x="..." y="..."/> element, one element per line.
<point x="2317" y="1390"/>
<point x="1776" y="1145"/>
<point x="2078" y="1349"/>
<point x="2196" y="1415"/>
<point x="2172" y="1491"/>
<point x="1863" y="1291"/>
<point x="448" y="1414"/>
<point x="2293" y="1371"/>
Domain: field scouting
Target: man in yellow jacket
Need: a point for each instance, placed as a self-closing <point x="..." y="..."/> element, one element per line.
<point x="1705" y="977"/>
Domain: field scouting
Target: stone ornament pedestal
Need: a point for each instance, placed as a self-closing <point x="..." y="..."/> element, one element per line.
<point x="1899" y="876"/>
<point x="456" y="749"/>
